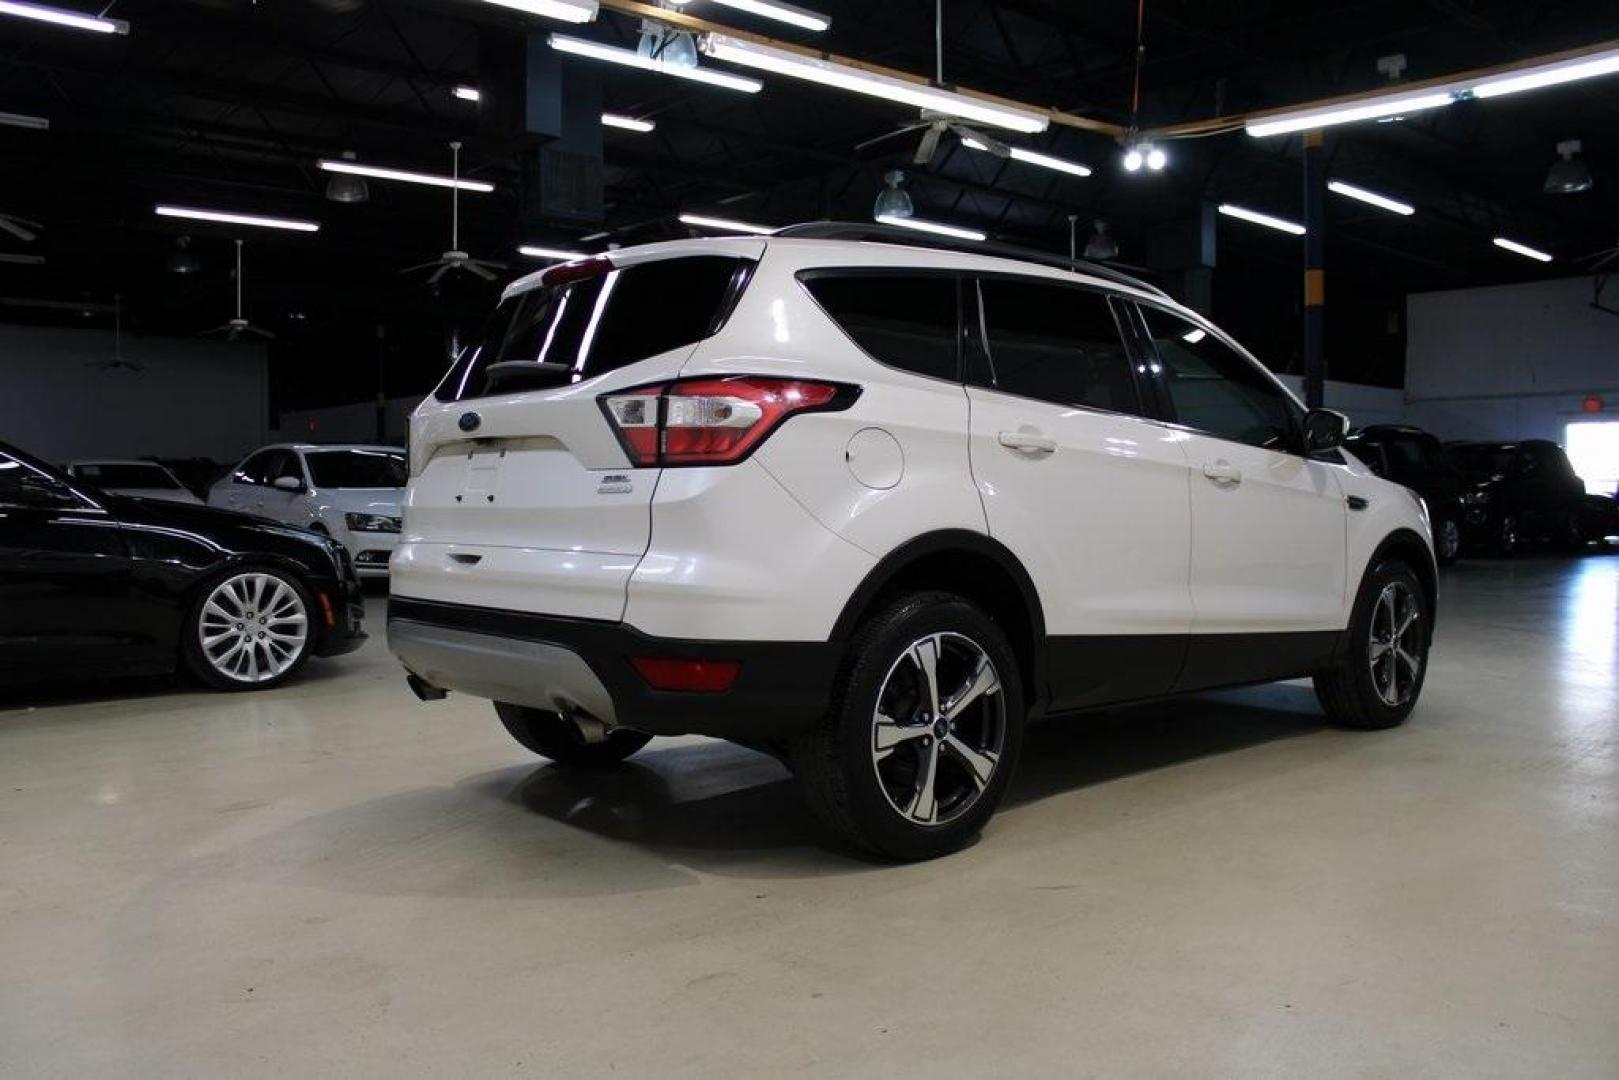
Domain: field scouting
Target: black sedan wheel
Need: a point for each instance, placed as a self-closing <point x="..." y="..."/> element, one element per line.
<point x="1447" y="541"/>
<point x="249" y="630"/>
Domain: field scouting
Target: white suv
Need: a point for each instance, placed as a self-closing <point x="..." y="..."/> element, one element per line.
<point x="872" y="507"/>
<point x="349" y="492"/>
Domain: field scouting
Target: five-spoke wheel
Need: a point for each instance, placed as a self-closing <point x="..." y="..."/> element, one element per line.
<point x="1382" y="662"/>
<point x="1395" y="643"/>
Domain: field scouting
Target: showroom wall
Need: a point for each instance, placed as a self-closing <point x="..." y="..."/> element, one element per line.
<point x="192" y="397"/>
<point x="1510" y="362"/>
<point x="348" y="423"/>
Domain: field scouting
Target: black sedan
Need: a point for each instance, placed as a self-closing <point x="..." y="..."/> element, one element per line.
<point x="94" y="584"/>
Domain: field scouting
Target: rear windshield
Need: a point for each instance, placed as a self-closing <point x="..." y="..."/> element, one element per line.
<point x="126" y="475"/>
<point x="357" y="468"/>
<point x="1482" y="460"/>
<point x="552" y="336"/>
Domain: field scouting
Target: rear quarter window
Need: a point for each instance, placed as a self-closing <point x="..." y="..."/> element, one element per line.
<point x="903" y="320"/>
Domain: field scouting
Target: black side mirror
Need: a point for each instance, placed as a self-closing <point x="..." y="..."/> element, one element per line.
<point x="1324" y="430"/>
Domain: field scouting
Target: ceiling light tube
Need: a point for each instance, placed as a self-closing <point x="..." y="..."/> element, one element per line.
<point x="627" y="123"/>
<point x="859" y="81"/>
<point x="1030" y="157"/>
<point x="1281" y="224"/>
<point x="1284" y="123"/>
<point x="78" y="20"/>
<point x="354" y="168"/>
<point x="595" y="50"/>
<point x="468" y="93"/>
<point x="1522" y="249"/>
<point x="1551" y="74"/>
<point x="802" y="18"/>
<point x="920" y="225"/>
<point x="223" y="218"/>
<point x="1393" y="206"/>
<point x="556" y="254"/>
<point x="574" y="11"/>
<point x="22" y="120"/>
<point x="22" y="260"/>
<point x="701" y="221"/>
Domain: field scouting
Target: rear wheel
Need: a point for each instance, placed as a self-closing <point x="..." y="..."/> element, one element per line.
<point x="1447" y="541"/>
<point x="1385" y="659"/>
<point x="551" y="735"/>
<point x="1507" y="539"/>
<point x="923" y="732"/>
<point x="1574" y="538"/>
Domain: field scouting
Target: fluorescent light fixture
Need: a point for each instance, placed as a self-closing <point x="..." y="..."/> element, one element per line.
<point x="843" y="77"/>
<point x="22" y="260"/>
<point x="557" y="254"/>
<point x="354" y="168"/>
<point x="78" y="20"/>
<point x="931" y="227"/>
<point x="1393" y="206"/>
<point x="1194" y="335"/>
<point x="725" y="224"/>
<point x="224" y="218"/>
<point x="11" y="119"/>
<point x="627" y="123"/>
<point x="1521" y="249"/>
<point x="630" y="58"/>
<point x="1327" y="116"/>
<point x="772" y="9"/>
<point x="468" y="93"/>
<point x="574" y="11"/>
<point x="1030" y="157"/>
<point x="1558" y="71"/>
<point x="1266" y="220"/>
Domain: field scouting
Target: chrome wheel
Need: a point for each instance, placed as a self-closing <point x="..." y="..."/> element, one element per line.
<point x="939" y="728"/>
<point x="253" y="628"/>
<point x="1395" y="652"/>
<point x="1449" y="539"/>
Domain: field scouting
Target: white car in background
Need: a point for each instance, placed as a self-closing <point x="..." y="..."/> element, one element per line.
<point x="349" y="492"/>
<point x="141" y="479"/>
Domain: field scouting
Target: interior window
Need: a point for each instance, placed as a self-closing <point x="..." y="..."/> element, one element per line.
<point x="1056" y="343"/>
<point x="1216" y="389"/>
<point x="902" y="320"/>
<point x="253" y="470"/>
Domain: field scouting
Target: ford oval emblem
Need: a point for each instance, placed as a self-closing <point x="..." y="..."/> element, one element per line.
<point x="469" y="421"/>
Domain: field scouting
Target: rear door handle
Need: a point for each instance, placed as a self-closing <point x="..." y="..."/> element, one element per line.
<point x="1027" y="442"/>
<point x="1222" y="472"/>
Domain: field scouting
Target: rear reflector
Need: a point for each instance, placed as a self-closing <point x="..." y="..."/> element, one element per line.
<point x="713" y="421"/>
<point x="697" y="676"/>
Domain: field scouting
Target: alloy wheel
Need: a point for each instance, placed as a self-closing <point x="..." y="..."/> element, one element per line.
<point x="253" y="628"/>
<point x="1395" y="651"/>
<point x="939" y="728"/>
<point x="1450" y="539"/>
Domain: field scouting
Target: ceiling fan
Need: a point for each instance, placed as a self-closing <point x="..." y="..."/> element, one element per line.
<point x="455" y="258"/>
<point x="238" y="326"/>
<point x="933" y="126"/>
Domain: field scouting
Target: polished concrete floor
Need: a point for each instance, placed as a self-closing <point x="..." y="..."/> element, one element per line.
<point x="335" y="880"/>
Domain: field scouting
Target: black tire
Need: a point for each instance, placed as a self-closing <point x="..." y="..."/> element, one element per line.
<point x="1508" y="536"/>
<point x="855" y="789"/>
<point x="1574" y="538"/>
<point x="1447" y="540"/>
<point x="549" y="735"/>
<point x="193" y="657"/>
<point x="1350" y="692"/>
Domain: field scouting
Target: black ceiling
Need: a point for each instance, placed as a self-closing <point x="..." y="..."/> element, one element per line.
<point x="226" y="103"/>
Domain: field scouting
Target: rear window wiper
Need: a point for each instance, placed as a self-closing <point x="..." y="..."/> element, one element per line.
<point x="509" y="371"/>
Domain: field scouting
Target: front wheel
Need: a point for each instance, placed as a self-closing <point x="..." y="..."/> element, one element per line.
<point x="1447" y="541"/>
<point x="553" y="736"/>
<point x="1385" y="659"/>
<point x="923" y="731"/>
<point x="248" y="630"/>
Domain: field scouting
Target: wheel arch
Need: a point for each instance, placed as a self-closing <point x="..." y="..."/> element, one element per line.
<point x="1410" y="548"/>
<point x="974" y="567"/>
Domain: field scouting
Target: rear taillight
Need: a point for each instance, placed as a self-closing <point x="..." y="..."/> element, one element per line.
<point x="713" y="421"/>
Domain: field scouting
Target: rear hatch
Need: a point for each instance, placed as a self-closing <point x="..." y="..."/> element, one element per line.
<point x="521" y="495"/>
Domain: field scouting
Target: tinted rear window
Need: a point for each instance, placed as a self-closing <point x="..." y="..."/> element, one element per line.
<point x="902" y="320"/>
<point x="598" y="324"/>
<point x="126" y="475"/>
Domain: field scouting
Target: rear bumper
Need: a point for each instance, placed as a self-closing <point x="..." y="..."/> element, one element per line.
<point x="550" y="662"/>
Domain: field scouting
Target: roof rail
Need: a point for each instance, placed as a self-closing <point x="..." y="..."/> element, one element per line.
<point x="893" y="234"/>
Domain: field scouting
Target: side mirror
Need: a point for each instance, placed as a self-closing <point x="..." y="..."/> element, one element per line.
<point x="1324" y="430"/>
<point x="287" y="483"/>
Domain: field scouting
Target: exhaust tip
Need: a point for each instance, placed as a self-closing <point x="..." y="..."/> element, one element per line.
<point x="424" y="690"/>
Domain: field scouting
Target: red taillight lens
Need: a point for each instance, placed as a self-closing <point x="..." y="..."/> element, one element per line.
<point x="712" y="421"/>
<point x="693" y="676"/>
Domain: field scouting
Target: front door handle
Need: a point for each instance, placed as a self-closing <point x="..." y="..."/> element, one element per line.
<point x="1027" y="442"/>
<point x="1222" y="472"/>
